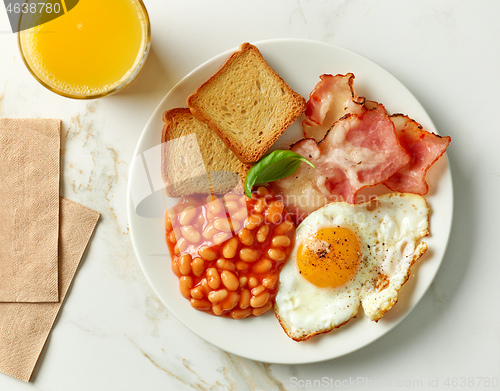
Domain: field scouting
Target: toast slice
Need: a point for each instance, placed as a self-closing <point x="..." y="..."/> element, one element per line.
<point x="194" y="158"/>
<point x="247" y="104"/>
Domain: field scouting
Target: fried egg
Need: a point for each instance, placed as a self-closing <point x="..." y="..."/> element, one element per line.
<point x="346" y="255"/>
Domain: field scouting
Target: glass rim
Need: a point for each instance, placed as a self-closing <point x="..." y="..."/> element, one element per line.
<point x="125" y="83"/>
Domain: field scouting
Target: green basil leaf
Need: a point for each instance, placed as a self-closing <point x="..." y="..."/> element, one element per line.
<point x="276" y="165"/>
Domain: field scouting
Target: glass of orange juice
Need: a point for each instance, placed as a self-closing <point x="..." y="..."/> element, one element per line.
<point x="94" y="50"/>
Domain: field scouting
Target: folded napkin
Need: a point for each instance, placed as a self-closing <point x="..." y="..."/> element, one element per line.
<point x="42" y="239"/>
<point x="24" y="327"/>
<point x="29" y="218"/>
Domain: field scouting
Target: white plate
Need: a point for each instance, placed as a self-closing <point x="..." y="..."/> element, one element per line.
<point x="299" y="62"/>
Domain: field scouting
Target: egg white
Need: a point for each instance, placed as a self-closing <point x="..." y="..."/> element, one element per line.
<point x="388" y="229"/>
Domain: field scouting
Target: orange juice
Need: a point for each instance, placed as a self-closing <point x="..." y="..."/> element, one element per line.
<point x="95" y="49"/>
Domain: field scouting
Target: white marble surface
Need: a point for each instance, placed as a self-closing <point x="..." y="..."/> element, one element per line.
<point x="114" y="334"/>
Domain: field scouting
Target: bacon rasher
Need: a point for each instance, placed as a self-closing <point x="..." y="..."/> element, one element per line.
<point x="358" y="151"/>
<point x="332" y="98"/>
<point x="425" y="149"/>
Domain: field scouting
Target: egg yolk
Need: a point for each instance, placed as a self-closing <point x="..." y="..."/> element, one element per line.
<point x="330" y="257"/>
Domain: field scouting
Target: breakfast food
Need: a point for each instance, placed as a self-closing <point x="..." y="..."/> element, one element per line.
<point x="334" y="96"/>
<point x="247" y="104"/>
<point x="425" y="149"/>
<point x="227" y="252"/>
<point x="331" y="99"/>
<point x="346" y="254"/>
<point x="355" y="146"/>
<point x="359" y="151"/>
<point x="216" y="167"/>
<point x="238" y="256"/>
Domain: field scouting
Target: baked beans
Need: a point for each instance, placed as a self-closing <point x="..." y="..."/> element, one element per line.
<point x="217" y="296"/>
<point x="215" y="206"/>
<point x="258" y="290"/>
<point x="227" y="252"/>
<point x="201" y="304"/>
<point x="222" y="224"/>
<point x="230" y="247"/>
<point x="190" y="233"/>
<point x="249" y="254"/>
<point x="260" y="300"/>
<point x="224" y="264"/>
<point x="217" y="309"/>
<point x="185" y="285"/>
<point x="262" y="310"/>
<point x="208" y="253"/>
<point x="168" y="223"/>
<point x="262" y="233"/>
<point x="242" y="266"/>
<point x="175" y="266"/>
<point x="276" y="254"/>
<point x="230" y="280"/>
<point x="245" y="299"/>
<point x="270" y="281"/>
<point x="185" y="264"/>
<point x="187" y="215"/>
<point x="274" y="212"/>
<point x="281" y="241"/>
<point x="232" y="206"/>
<point x="198" y="266"/>
<point x="213" y="278"/>
<point x="262" y="192"/>
<point x="246" y="237"/>
<point x="252" y="282"/>
<point x="262" y="266"/>
<point x="197" y="293"/>
<point x="240" y="215"/>
<point x="182" y="245"/>
<point x="243" y="281"/>
<point x="231" y="301"/>
<point x="221" y="237"/>
<point x="209" y="231"/>
<point x="241" y="313"/>
<point x="254" y="221"/>
<point x="260" y="206"/>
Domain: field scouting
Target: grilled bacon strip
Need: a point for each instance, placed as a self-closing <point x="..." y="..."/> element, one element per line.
<point x="424" y="148"/>
<point x="358" y="151"/>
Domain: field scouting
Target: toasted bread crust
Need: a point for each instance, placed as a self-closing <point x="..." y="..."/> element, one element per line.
<point x="201" y="176"/>
<point x="258" y="102"/>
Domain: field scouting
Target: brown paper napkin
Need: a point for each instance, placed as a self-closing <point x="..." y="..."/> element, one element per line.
<point x="42" y="239"/>
<point x="29" y="192"/>
<point x="24" y="327"/>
